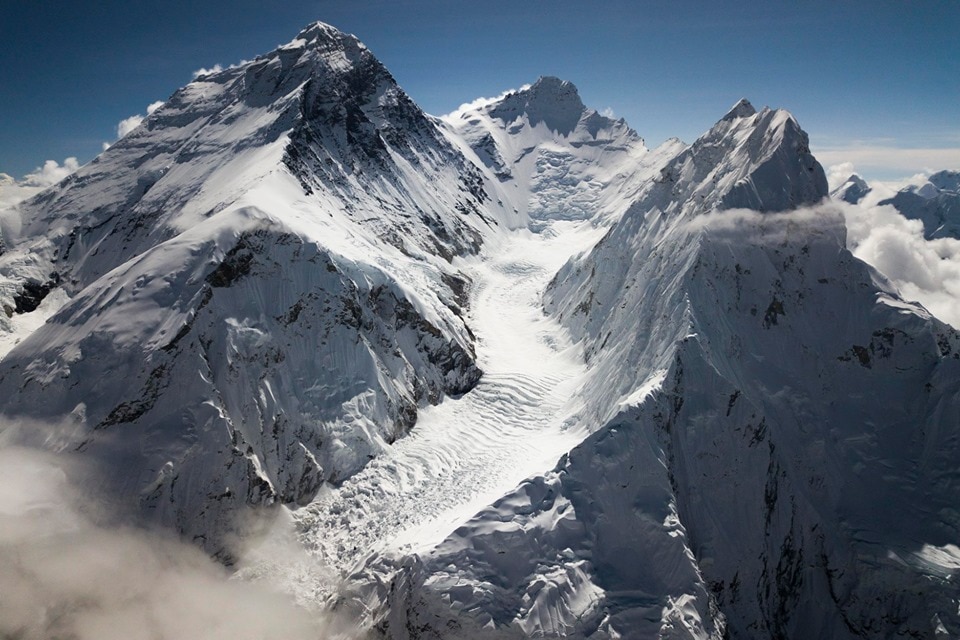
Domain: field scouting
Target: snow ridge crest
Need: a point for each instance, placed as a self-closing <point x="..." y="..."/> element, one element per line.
<point x="550" y="100"/>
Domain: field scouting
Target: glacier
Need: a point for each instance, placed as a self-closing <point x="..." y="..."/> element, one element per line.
<point x="504" y="373"/>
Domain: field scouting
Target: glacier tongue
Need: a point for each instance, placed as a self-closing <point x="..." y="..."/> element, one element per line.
<point x="512" y="373"/>
<point x="465" y="453"/>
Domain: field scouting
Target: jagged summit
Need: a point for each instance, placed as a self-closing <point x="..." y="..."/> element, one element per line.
<point x="761" y="162"/>
<point x="694" y="420"/>
<point x="743" y="109"/>
<point x="946" y="180"/>
<point x="322" y="31"/>
<point x="852" y="190"/>
<point x="550" y="100"/>
<point x="935" y="202"/>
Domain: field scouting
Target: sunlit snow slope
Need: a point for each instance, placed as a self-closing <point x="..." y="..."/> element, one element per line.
<point x="511" y="373"/>
<point x="262" y="293"/>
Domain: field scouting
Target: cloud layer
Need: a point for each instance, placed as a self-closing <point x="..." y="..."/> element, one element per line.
<point x="924" y="271"/>
<point x="927" y="271"/>
<point x="63" y="576"/>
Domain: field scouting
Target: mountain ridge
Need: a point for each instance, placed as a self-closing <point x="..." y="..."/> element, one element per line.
<point x="509" y="373"/>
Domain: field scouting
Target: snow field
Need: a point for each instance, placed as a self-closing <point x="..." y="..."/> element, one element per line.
<point x="466" y="452"/>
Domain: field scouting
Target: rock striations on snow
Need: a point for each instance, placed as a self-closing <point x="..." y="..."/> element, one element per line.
<point x="262" y="293"/>
<point x="701" y="416"/>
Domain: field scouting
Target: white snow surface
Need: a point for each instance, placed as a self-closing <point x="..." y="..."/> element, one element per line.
<point x="505" y="373"/>
<point x="466" y="452"/>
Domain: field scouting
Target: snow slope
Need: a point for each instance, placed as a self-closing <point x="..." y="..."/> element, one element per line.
<point x="512" y="373"/>
<point x="936" y="203"/>
<point x="262" y="293"/>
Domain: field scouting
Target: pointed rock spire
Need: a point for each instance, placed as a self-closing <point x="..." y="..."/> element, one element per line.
<point x="743" y="109"/>
<point x="550" y="100"/>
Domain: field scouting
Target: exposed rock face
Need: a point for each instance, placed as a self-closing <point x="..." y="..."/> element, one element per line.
<point x="852" y="190"/>
<point x="245" y="325"/>
<point x="273" y="277"/>
<point x="936" y="204"/>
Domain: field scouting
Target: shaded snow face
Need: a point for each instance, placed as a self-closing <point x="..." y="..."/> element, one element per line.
<point x="549" y="100"/>
<point x="799" y="395"/>
<point x="262" y="288"/>
<point x="62" y="575"/>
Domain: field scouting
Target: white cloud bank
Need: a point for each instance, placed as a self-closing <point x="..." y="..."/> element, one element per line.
<point x="62" y="576"/>
<point x="884" y="161"/>
<point x="924" y="271"/>
<point x="13" y="191"/>
<point x="927" y="271"/>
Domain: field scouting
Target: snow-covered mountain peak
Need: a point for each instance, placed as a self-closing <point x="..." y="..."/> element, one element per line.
<point x="547" y="155"/>
<point x="549" y="100"/>
<point x="743" y="109"/>
<point x="852" y="190"/>
<point x="935" y="202"/>
<point x="323" y="32"/>
<point x="299" y="203"/>
<point x="760" y="161"/>
<point x="946" y="181"/>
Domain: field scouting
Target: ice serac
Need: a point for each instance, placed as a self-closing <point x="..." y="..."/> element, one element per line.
<point x="262" y="292"/>
<point x="598" y="547"/>
<point x="936" y="203"/>
<point x="797" y="413"/>
<point x="549" y="156"/>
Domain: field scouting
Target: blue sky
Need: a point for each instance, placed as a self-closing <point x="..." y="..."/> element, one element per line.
<point x="876" y="83"/>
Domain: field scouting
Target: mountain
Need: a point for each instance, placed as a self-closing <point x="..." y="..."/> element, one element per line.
<point x="261" y="288"/>
<point x="765" y="432"/>
<point x="508" y="372"/>
<point x="936" y="203"/>
<point x="852" y="190"/>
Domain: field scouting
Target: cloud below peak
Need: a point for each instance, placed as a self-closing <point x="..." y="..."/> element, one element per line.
<point x="62" y="575"/>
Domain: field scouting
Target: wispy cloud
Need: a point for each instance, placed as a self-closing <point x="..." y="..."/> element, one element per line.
<point x="203" y="71"/>
<point x="127" y="125"/>
<point x="479" y="103"/>
<point x="50" y="173"/>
